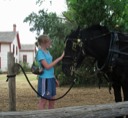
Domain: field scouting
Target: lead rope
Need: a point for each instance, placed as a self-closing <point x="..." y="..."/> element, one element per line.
<point x="73" y="82"/>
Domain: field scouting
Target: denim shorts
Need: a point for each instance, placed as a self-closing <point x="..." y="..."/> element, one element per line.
<point x="47" y="87"/>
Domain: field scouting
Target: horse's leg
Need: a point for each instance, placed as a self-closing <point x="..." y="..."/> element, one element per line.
<point x="117" y="89"/>
<point x="117" y="94"/>
<point x="124" y="82"/>
<point x="125" y="88"/>
<point x="116" y="84"/>
<point x="125" y="92"/>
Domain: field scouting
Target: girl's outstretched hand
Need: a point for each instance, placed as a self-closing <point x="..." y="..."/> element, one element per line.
<point x="61" y="57"/>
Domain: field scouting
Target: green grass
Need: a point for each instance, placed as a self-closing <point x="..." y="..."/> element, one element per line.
<point x="29" y="75"/>
<point x="3" y="76"/>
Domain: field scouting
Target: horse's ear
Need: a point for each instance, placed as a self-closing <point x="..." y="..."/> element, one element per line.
<point x="78" y="28"/>
<point x="78" y="31"/>
<point x="72" y="30"/>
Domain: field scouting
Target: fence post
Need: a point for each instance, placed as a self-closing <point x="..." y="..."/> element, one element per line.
<point x="11" y="82"/>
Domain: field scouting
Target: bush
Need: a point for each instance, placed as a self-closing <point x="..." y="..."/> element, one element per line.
<point x="25" y="66"/>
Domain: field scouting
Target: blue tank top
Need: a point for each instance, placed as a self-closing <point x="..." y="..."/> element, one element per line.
<point x="42" y="55"/>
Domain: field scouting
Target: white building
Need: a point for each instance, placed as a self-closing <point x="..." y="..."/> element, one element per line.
<point x="10" y="42"/>
<point x="27" y="53"/>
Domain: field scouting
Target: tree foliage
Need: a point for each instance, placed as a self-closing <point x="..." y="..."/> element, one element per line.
<point x="49" y="23"/>
<point x="105" y="12"/>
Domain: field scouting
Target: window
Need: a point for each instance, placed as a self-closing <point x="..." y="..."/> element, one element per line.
<point x="0" y="47"/>
<point x="24" y="58"/>
<point x="13" y="49"/>
<point x="0" y="62"/>
<point x="16" y="50"/>
<point x="16" y="60"/>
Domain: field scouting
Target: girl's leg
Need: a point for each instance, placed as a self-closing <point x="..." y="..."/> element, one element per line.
<point x="42" y="103"/>
<point x="52" y="90"/>
<point x="51" y="104"/>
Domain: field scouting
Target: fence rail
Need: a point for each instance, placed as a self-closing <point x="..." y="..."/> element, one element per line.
<point x="90" y="111"/>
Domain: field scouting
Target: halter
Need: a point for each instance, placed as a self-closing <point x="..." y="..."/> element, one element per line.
<point x="75" y="43"/>
<point x="110" y="56"/>
<point x="113" y="50"/>
<point x="81" y="52"/>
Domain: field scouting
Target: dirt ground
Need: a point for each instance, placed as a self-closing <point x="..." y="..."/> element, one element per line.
<point x="26" y="98"/>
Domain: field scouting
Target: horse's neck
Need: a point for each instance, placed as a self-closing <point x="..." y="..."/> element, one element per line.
<point x="98" y="48"/>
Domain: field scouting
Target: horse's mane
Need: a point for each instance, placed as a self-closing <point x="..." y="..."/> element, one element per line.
<point x="93" y="28"/>
<point x="98" y="28"/>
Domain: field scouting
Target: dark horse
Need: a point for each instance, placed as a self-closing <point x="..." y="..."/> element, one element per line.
<point x="110" y="50"/>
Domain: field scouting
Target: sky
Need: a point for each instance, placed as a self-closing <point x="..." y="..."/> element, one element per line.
<point x="15" y="11"/>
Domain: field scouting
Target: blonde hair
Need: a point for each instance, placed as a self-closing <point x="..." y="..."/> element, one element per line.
<point x="42" y="39"/>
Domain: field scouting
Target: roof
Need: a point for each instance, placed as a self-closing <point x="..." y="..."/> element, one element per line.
<point x="28" y="47"/>
<point x="7" y="37"/>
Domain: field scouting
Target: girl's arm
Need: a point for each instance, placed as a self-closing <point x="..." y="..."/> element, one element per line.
<point x="48" y="66"/>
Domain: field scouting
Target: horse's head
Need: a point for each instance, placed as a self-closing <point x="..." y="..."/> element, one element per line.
<point x="93" y="41"/>
<point x="74" y="52"/>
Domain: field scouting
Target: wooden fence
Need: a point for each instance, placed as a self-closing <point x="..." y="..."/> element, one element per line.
<point x="90" y="111"/>
<point x="11" y="82"/>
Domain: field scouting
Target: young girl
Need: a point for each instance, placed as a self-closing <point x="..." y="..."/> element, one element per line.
<point x="46" y="81"/>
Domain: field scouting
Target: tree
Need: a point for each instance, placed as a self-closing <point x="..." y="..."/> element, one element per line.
<point x="49" y="23"/>
<point x="111" y="13"/>
<point x="106" y="12"/>
<point x="57" y="28"/>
